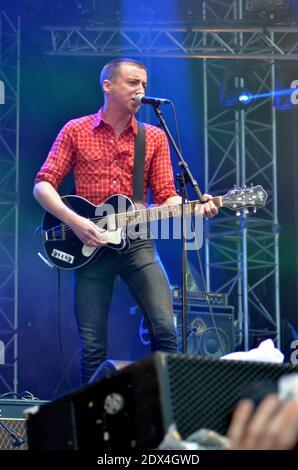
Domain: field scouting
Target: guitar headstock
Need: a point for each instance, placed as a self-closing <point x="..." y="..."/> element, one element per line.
<point x="245" y="198"/>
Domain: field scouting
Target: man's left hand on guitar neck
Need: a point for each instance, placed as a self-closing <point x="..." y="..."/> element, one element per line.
<point x="206" y="210"/>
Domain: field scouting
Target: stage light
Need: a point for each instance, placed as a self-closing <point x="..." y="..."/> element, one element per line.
<point x="237" y="99"/>
<point x="245" y="97"/>
<point x="238" y="85"/>
<point x="270" y="10"/>
<point x="234" y="95"/>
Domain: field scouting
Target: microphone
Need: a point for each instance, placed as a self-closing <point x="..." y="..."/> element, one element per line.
<point x="142" y="99"/>
<point x="18" y="441"/>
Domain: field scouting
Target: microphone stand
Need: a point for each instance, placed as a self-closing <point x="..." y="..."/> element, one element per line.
<point x="184" y="178"/>
<point x="17" y="439"/>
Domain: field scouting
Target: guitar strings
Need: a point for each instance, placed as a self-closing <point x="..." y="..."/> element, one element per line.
<point x="136" y="217"/>
<point x="62" y="230"/>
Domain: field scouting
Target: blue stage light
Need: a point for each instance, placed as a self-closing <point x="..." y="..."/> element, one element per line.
<point x="245" y="97"/>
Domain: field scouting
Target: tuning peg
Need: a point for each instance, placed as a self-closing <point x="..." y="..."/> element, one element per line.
<point x="238" y="213"/>
<point x="244" y="186"/>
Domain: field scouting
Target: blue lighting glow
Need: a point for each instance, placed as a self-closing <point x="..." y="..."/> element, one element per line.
<point x="245" y="97"/>
<point x="282" y="98"/>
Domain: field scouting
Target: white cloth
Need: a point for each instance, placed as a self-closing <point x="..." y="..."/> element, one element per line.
<point x="265" y="352"/>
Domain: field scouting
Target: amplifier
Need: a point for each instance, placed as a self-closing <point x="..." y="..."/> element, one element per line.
<point x="202" y="339"/>
<point x="215" y="298"/>
<point x="13" y="435"/>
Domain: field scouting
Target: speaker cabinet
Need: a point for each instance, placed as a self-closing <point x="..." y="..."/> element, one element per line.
<point x="133" y="408"/>
<point x="13" y="433"/>
<point x="204" y="337"/>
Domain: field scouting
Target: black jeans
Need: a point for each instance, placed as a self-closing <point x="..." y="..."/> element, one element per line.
<point x="140" y="267"/>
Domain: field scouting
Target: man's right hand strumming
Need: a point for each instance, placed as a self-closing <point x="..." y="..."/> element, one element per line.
<point x="86" y="230"/>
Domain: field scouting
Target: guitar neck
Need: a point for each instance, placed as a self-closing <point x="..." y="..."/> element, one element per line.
<point x="160" y="212"/>
<point x="236" y="199"/>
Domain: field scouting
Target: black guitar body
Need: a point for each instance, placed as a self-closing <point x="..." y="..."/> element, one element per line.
<point x="64" y="249"/>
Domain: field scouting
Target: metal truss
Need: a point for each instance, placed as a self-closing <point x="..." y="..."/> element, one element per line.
<point x="242" y="253"/>
<point x="9" y="204"/>
<point x="193" y="41"/>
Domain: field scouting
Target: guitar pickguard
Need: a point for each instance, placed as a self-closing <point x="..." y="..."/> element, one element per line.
<point x="114" y="237"/>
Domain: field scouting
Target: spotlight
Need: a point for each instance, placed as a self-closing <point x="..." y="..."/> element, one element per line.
<point x="237" y="98"/>
<point x="270" y="10"/>
<point x="245" y="97"/>
<point x="237" y="86"/>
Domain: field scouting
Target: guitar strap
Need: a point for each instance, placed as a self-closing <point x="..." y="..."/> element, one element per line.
<point x="139" y="164"/>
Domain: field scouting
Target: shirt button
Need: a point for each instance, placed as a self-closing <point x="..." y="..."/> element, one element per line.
<point x="114" y="181"/>
<point x="112" y="141"/>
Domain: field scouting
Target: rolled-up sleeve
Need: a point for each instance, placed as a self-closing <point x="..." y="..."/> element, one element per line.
<point x="60" y="158"/>
<point x="161" y="179"/>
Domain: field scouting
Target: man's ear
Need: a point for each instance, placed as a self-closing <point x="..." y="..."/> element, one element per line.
<point x="106" y="86"/>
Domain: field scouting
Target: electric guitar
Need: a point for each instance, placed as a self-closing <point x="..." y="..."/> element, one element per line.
<point x="65" y="250"/>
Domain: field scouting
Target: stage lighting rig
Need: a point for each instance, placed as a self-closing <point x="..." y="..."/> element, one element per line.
<point x="274" y="11"/>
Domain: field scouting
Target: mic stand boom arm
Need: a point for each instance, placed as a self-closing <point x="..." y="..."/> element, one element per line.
<point x="185" y="177"/>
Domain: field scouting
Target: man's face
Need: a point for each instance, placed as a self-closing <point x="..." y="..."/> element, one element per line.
<point x="128" y="82"/>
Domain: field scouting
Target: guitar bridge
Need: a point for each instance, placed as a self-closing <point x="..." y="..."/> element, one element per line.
<point x="44" y="236"/>
<point x="54" y="234"/>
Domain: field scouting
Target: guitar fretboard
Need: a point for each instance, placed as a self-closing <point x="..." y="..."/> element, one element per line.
<point x="159" y="212"/>
<point x="236" y="199"/>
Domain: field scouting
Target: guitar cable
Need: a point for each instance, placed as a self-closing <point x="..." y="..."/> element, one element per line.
<point x="50" y="265"/>
<point x="43" y="258"/>
<point x="60" y="339"/>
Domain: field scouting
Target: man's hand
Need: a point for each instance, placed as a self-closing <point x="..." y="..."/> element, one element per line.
<point x="272" y="426"/>
<point x="208" y="209"/>
<point x="88" y="232"/>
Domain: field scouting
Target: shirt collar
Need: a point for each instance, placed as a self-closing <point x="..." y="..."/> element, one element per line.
<point x="99" y="121"/>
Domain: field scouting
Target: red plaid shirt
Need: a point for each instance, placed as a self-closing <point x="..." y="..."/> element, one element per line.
<point x="103" y="165"/>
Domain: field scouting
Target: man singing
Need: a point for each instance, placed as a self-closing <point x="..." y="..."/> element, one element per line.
<point x="99" y="148"/>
